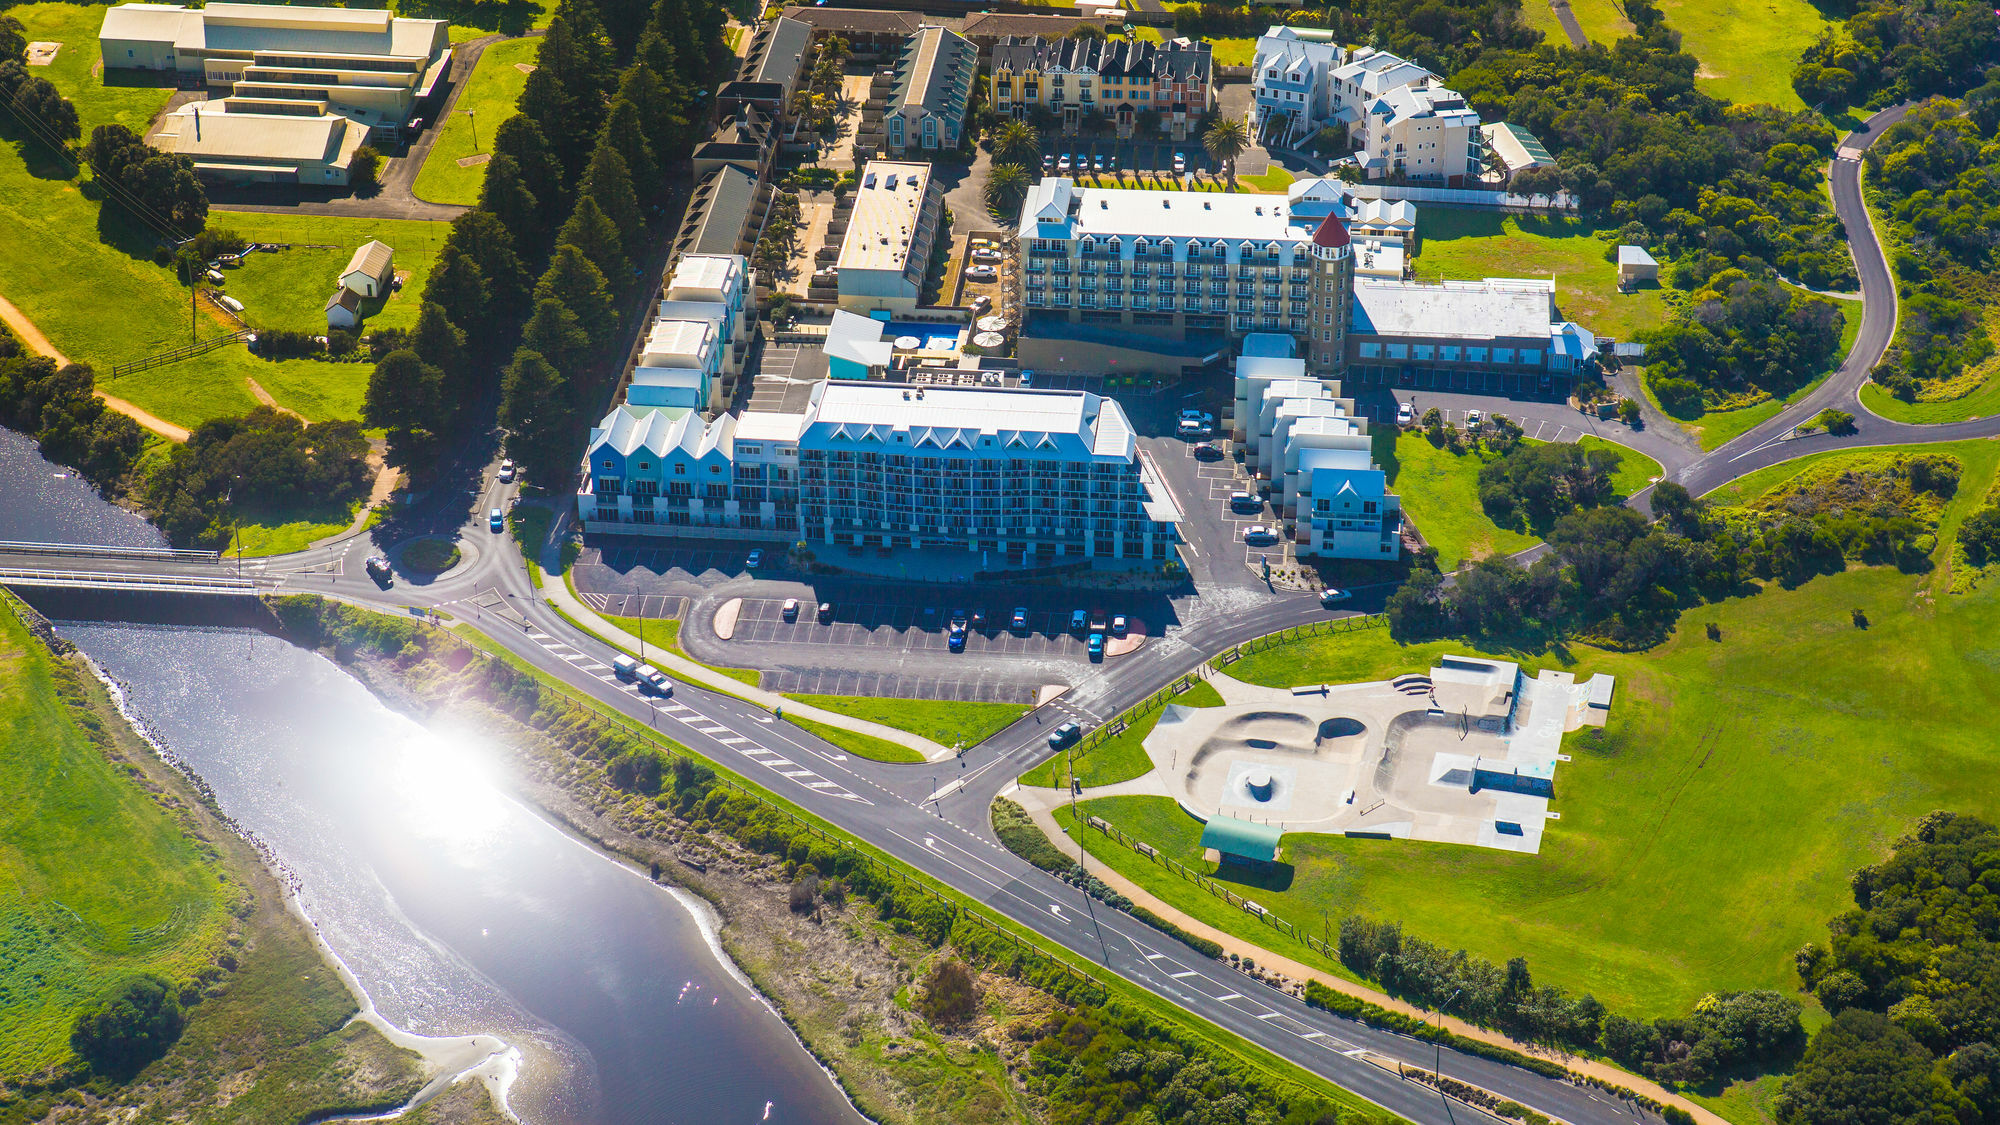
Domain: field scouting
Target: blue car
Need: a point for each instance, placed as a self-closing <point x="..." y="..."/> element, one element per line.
<point x="495" y="521"/>
<point x="1096" y="646"/>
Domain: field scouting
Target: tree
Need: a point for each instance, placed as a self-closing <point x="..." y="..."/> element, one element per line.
<point x="440" y="343"/>
<point x="131" y="1027"/>
<point x="949" y="995"/>
<point x="1018" y="144"/>
<point x="479" y="236"/>
<point x="1006" y="189"/>
<point x="1860" y="1070"/>
<point x="1980" y="535"/>
<point x="535" y="412"/>
<point x="541" y="173"/>
<point x="13" y="72"/>
<point x="663" y="112"/>
<point x="625" y="132"/>
<point x="458" y="286"/>
<point x="609" y="183"/>
<point x="13" y="40"/>
<point x="405" y="397"/>
<point x="554" y="334"/>
<point x="566" y="92"/>
<point x="364" y="173"/>
<point x="49" y="117"/>
<point x="153" y="185"/>
<point x="590" y="230"/>
<point x="1225" y="141"/>
<point x="577" y="284"/>
<point x="508" y="198"/>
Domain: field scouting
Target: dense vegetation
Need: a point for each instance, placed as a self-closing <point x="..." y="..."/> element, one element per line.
<point x="1613" y="576"/>
<point x="59" y="410"/>
<point x="522" y="308"/>
<point x="1740" y="336"/>
<point x="1912" y="975"/>
<point x="1534" y="484"/>
<point x="265" y="459"/>
<point x="1888" y="51"/>
<point x="1938" y="172"/>
<point x="133" y="1025"/>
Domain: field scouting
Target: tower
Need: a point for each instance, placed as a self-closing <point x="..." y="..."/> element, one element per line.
<point x="1332" y="298"/>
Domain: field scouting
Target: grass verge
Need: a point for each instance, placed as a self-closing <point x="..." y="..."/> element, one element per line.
<point x="491" y="96"/>
<point x="854" y="742"/>
<point x="944" y="722"/>
<point x="1121" y="757"/>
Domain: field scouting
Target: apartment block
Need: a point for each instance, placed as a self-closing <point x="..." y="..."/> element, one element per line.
<point x="1400" y="119"/>
<point x="1077" y="79"/>
<point x="700" y="334"/>
<point x="1022" y="474"/>
<point x="933" y="90"/>
<point x="891" y="237"/>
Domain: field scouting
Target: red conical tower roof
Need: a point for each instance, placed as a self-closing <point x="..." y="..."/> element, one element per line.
<point x="1331" y="234"/>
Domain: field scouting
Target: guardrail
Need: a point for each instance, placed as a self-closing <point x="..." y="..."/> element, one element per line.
<point x="136" y="583"/>
<point x="108" y="551"/>
<point x="1316" y="629"/>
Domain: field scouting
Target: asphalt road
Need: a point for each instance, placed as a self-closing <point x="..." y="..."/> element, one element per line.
<point x="934" y="817"/>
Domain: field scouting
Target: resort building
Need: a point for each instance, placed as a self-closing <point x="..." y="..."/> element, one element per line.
<point x="932" y="92"/>
<point x="1505" y="329"/>
<point x="1076" y="79"/>
<point x="700" y="334"/>
<point x="891" y="238"/>
<point x="1399" y="117"/>
<point x="369" y="66"/>
<point x="1291" y="83"/>
<point x="1023" y="474"/>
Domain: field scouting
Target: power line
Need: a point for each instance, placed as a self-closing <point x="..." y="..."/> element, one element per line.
<point x="41" y="131"/>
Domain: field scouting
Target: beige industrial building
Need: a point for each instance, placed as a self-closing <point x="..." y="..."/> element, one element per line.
<point x="232" y="145"/>
<point x="372" y="67"/>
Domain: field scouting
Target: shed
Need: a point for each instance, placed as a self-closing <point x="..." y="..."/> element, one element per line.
<point x="343" y="309"/>
<point x="1635" y="266"/>
<point x="370" y="271"/>
<point x="1243" y="841"/>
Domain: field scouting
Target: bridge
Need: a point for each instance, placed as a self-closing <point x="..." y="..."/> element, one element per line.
<point x="150" y="570"/>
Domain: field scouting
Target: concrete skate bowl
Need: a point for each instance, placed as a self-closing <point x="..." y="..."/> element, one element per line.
<point x="1216" y="771"/>
<point x="1412" y="741"/>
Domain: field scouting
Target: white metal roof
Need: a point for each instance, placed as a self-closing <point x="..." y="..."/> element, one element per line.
<point x="706" y="272"/>
<point x="884" y="220"/>
<point x="677" y="340"/>
<point x="1067" y="424"/>
<point x="1496" y="308"/>
<point x="263" y="136"/>
<point x="1130" y="212"/>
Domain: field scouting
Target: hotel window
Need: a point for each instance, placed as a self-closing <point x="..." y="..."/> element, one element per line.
<point x="1371" y="350"/>
<point x="1399" y="351"/>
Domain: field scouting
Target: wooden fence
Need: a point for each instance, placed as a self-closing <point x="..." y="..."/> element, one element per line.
<point x="1353" y="624"/>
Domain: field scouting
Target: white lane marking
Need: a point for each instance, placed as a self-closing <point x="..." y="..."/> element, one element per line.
<point x="1185" y="975"/>
<point x="734" y="740"/>
<point x="1230" y="996"/>
<point x="1268" y="1016"/>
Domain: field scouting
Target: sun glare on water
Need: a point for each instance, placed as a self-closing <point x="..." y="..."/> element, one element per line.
<point x="447" y="790"/>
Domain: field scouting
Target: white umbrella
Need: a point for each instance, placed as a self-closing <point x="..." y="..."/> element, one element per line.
<point x="989" y="339"/>
<point x="992" y="324"/>
<point x="908" y="343"/>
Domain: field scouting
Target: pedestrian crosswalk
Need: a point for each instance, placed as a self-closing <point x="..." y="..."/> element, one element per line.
<point x="720" y="733"/>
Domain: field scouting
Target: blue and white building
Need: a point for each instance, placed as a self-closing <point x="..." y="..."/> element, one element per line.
<point x="700" y="334"/>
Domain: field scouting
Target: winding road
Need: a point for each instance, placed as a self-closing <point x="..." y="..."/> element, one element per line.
<point x="935" y="816"/>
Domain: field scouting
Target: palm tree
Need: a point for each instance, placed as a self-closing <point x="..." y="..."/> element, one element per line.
<point x="1226" y="140"/>
<point x="1018" y="144"/>
<point x="1006" y="187"/>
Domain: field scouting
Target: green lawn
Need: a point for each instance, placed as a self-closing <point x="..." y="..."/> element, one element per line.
<point x="283" y="532"/>
<point x="944" y="722"/>
<point x="1228" y="52"/>
<point x="1747" y="48"/>
<point x="665" y="633"/>
<point x="1440" y="494"/>
<point x="1121" y="757"/>
<point x="289" y="288"/>
<point x="97" y="880"/>
<point x="854" y="742"/>
<point x="1603" y="21"/>
<point x="1635" y="469"/>
<point x="1984" y="401"/>
<point x="1712" y="827"/>
<point x="1459" y="245"/>
<point x="489" y="98"/>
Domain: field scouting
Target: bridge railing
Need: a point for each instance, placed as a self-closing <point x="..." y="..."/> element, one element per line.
<point x="105" y="551"/>
<point x="111" y="580"/>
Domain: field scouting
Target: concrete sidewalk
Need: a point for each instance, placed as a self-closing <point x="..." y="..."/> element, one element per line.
<point x="1041" y="804"/>
<point x="555" y="589"/>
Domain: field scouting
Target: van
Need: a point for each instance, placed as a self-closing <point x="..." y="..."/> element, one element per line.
<point x="653" y="680"/>
<point x="626" y="667"/>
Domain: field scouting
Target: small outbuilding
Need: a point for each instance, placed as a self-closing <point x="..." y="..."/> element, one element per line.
<point x="1635" y="266"/>
<point x="371" y="271"/>
<point x="343" y="309"/>
<point x="1232" y="839"/>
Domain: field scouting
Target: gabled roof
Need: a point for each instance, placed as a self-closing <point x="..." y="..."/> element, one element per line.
<point x="372" y="258"/>
<point x="344" y="298"/>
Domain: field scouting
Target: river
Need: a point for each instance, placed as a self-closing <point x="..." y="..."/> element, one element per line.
<point x="458" y="909"/>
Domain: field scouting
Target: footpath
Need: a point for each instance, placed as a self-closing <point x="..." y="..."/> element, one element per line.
<point x="555" y="589"/>
<point x="21" y="326"/>
<point x="1041" y="804"/>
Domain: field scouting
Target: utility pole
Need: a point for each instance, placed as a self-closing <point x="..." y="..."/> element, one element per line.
<point x="1437" y="1058"/>
<point x="474" y="118"/>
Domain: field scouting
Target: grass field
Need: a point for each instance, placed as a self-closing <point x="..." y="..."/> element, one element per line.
<point x="1228" y="52"/>
<point x="97" y="880"/>
<point x="1712" y="827"/>
<point x="1603" y="21"/>
<point x="92" y="287"/>
<point x="944" y="722"/>
<point x="289" y="288"/>
<point x="1120" y="758"/>
<point x="489" y="98"/>
<point x="1460" y="245"/>
<point x="1981" y="403"/>
<point x="854" y="742"/>
<point x="1747" y="48"/>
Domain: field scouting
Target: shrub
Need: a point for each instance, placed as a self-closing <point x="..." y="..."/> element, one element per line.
<point x="1833" y="421"/>
<point x="1678" y="397"/>
<point x="948" y="996"/>
<point x="129" y="1028"/>
<point x="364" y="174"/>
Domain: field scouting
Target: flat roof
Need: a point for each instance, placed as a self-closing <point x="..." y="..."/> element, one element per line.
<point x="885" y="217"/>
<point x="1073" y="424"/>
<point x="1496" y="308"/>
<point x="677" y="337"/>
<point x="288" y="28"/>
<point x="765" y="425"/>
<point x="1130" y="212"/>
<point x="706" y="271"/>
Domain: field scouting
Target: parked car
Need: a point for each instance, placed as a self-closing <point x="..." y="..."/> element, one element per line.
<point x="1048" y="161"/>
<point x="1258" y="533"/>
<point x="506" y="471"/>
<point x="982" y="273"/>
<point x="1097" y="163"/>
<point x="958" y="622"/>
<point x="1474" y="419"/>
<point x="791" y="610"/>
<point x="979" y="619"/>
<point x="1064" y="735"/>
<point x="1333" y="596"/>
<point x="1206" y="451"/>
<point x="826" y="613"/>
<point x="1201" y="416"/>
<point x="1119" y="626"/>
<point x="1020" y="619"/>
<point x="1062" y="162"/>
<point x="985" y="254"/>
<point x="495" y="521"/>
<point x="1242" y="499"/>
<point x="1180" y="163"/>
<point x="955" y="642"/>
<point x="1190" y="428"/>
<point x="1096" y="646"/>
<point x="1111" y="161"/>
<point x="755" y="560"/>
<point x="1406" y="413"/>
<point x="1078" y="621"/>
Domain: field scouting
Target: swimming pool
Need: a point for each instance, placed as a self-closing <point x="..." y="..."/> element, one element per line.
<point x="936" y="337"/>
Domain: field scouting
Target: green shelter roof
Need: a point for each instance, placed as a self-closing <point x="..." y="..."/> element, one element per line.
<point x="1234" y="836"/>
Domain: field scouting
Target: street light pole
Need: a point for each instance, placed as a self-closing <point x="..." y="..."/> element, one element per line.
<point x="1437" y="1058"/>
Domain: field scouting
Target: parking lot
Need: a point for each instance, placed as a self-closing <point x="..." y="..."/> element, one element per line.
<point x="911" y="628"/>
<point x="642" y="564"/>
<point x="655" y="606"/>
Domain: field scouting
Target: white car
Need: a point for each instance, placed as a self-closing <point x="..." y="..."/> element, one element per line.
<point x="791" y="609"/>
<point x="1062" y="162"/>
<point x="1405" y="414"/>
<point x="1180" y="163"/>
<point x="982" y="273"/>
<point x="506" y="471"/>
<point x="1473" y="419"/>
<point x="1190" y="427"/>
<point x="985" y="254"/>
<point x="1258" y="533"/>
